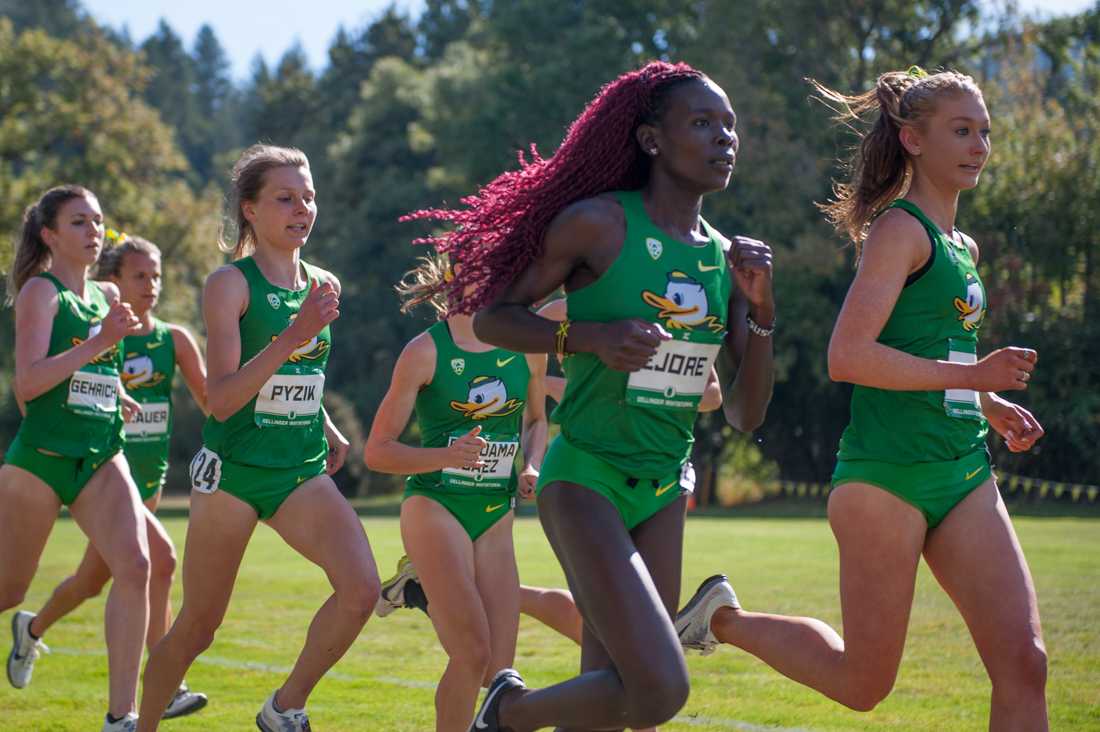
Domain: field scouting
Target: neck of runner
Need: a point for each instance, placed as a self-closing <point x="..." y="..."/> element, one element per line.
<point x="674" y="210"/>
<point x="280" y="268"/>
<point x="73" y="276"/>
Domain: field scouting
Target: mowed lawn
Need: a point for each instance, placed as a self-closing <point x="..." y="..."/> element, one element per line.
<point x="385" y="682"/>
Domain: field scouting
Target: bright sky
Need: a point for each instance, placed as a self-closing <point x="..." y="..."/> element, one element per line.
<point x="247" y="27"/>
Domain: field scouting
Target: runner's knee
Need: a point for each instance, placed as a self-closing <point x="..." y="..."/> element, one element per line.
<point x="656" y="698"/>
<point x="866" y="693"/>
<point x="1024" y="669"/>
<point x="471" y="652"/>
<point x="163" y="563"/>
<point x="196" y="632"/>
<point x="132" y="568"/>
<point x="360" y="596"/>
<point x="12" y="593"/>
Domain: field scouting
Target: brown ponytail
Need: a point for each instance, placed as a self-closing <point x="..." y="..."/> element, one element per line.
<point x="32" y="256"/>
<point x="880" y="167"/>
<point x="424" y="285"/>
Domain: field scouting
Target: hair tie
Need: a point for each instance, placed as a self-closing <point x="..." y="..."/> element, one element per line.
<point x="115" y="237"/>
<point x="917" y="72"/>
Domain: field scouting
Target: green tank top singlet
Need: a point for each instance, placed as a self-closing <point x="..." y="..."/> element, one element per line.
<point x="467" y="390"/>
<point x="148" y="368"/>
<point x="937" y="316"/>
<point x="282" y="426"/>
<point x="81" y="415"/>
<point x="642" y="423"/>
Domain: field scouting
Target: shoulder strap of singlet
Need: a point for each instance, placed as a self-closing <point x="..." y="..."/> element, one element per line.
<point x="631" y="201"/>
<point x="246" y="265"/>
<point x="313" y="274"/>
<point x="716" y="236"/>
<point x="164" y="333"/>
<point x="441" y="336"/>
<point x="913" y="210"/>
<point x="929" y="227"/>
<point x="56" y="282"/>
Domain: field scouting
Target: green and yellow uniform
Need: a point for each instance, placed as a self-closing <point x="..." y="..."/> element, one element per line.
<point x="76" y="426"/>
<point x="926" y="447"/>
<point x="148" y="368"/>
<point x="274" y="443"/>
<point x="467" y="390"/>
<point x="629" y="436"/>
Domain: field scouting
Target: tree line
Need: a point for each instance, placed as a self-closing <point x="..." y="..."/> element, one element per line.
<point x="411" y="111"/>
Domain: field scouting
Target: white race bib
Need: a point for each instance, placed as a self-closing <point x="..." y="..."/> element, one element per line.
<point x="93" y="394"/>
<point x="290" y="400"/>
<point x="151" y="421"/>
<point x="963" y="403"/>
<point x="499" y="456"/>
<point x="205" y="471"/>
<point x="676" y="376"/>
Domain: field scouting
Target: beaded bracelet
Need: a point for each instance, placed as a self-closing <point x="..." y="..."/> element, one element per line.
<point x="758" y="329"/>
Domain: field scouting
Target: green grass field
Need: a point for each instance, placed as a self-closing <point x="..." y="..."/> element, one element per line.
<point x="385" y="682"/>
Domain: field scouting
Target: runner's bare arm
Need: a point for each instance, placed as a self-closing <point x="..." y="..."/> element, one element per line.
<point x="35" y="308"/>
<point x="580" y="243"/>
<point x="190" y="363"/>
<point x="384" y="451"/>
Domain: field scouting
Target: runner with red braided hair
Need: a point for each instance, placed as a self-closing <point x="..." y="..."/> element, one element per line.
<point x="653" y="293"/>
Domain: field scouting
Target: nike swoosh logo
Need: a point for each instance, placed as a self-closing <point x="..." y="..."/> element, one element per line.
<point x="480" y="722"/>
<point x="666" y="488"/>
<point x="708" y="268"/>
<point x="501" y="364"/>
<point x="490" y="509"/>
<point x="155" y="344"/>
<point x="971" y="475"/>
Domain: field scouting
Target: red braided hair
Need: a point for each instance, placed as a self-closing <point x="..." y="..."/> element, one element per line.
<point x="499" y="231"/>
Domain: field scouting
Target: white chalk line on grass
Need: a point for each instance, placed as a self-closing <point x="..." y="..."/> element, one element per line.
<point x="690" y="720"/>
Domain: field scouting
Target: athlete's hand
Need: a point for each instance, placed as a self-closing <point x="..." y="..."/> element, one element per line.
<point x="627" y="345"/>
<point x="1016" y="425"/>
<point x="321" y="307"/>
<point x="528" y="478"/>
<point x="130" y="407"/>
<point x="119" y="323"/>
<point x="338" y="447"/>
<point x="750" y="263"/>
<point x="465" y="452"/>
<point x="1006" y="369"/>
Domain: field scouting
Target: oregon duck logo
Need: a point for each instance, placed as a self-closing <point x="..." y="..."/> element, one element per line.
<point x="310" y="350"/>
<point x="138" y="373"/>
<point x="105" y="357"/>
<point x="684" y="304"/>
<point x="487" y="398"/>
<point x="972" y="309"/>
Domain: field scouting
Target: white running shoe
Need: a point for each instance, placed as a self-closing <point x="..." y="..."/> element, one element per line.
<point x="392" y="596"/>
<point x="289" y="720"/>
<point x="693" y="622"/>
<point x="126" y="724"/>
<point x="24" y="650"/>
<point x="184" y="702"/>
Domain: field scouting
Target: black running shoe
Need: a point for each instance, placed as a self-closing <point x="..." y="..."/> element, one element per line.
<point x="487" y="719"/>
